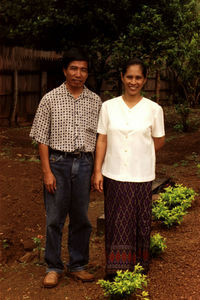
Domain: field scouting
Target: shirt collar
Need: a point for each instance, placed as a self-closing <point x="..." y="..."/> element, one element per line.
<point x="65" y="90"/>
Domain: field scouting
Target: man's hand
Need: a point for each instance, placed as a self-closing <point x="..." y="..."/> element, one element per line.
<point x="98" y="181"/>
<point x="49" y="178"/>
<point x="50" y="182"/>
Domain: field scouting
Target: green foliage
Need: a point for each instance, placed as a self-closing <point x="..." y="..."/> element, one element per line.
<point x="38" y="243"/>
<point x="183" y="112"/>
<point x="168" y="217"/>
<point x="179" y="127"/>
<point x="184" y="55"/>
<point x="178" y="195"/>
<point x="198" y="169"/>
<point x="57" y="24"/>
<point x="125" y="284"/>
<point x="184" y="163"/>
<point x="157" y="244"/>
<point x="195" y="156"/>
<point x="163" y="33"/>
<point x="166" y="34"/>
<point x="5" y="244"/>
<point x="34" y="143"/>
<point x="172" y="204"/>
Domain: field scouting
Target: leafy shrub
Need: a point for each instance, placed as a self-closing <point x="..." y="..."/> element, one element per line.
<point x="34" y="143"/>
<point x="125" y="284"/>
<point x="178" y="127"/>
<point x="168" y="217"/>
<point x="157" y="244"/>
<point x="178" y="195"/>
<point x="183" y="111"/>
<point x="172" y="204"/>
<point x="198" y="169"/>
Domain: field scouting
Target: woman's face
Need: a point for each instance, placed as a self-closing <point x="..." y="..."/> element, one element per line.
<point x="133" y="80"/>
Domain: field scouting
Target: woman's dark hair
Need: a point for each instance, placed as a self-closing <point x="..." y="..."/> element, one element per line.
<point x="74" y="54"/>
<point x="135" y="61"/>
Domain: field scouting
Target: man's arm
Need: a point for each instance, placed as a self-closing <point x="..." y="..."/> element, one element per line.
<point x="158" y="142"/>
<point x="49" y="178"/>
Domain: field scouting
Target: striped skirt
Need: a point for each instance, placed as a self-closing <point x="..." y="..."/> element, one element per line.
<point x="127" y="224"/>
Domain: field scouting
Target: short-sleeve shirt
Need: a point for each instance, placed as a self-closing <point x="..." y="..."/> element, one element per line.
<point x="130" y="153"/>
<point x="65" y="123"/>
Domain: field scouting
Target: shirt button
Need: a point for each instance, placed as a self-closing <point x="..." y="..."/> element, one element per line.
<point x="125" y="150"/>
<point x="126" y="137"/>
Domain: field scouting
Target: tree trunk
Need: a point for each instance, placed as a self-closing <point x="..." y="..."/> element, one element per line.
<point x="157" y="86"/>
<point x="43" y="83"/>
<point x="15" y="101"/>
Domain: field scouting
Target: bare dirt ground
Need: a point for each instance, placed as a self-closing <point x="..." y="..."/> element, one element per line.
<point x="173" y="276"/>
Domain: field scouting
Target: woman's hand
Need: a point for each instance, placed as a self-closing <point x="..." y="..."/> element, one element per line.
<point x="98" y="181"/>
<point x="99" y="158"/>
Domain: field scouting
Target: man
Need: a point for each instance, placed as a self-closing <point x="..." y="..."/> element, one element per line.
<point x="65" y="127"/>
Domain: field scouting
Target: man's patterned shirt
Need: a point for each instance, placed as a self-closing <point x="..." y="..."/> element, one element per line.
<point x="65" y="123"/>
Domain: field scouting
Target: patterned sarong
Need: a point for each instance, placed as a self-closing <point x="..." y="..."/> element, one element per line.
<point x="127" y="224"/>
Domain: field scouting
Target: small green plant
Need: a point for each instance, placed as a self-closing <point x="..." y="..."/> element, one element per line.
<point x="157" y="245"/>
<point x="183" y="110"/>
<point x="198" y="169"/>
<point x="178" y="195"/>
<point x="38" y="243"/>
<point x="178" y="127"/>
<point x="171" y="206"/>
<point x="5" y="244"/>
<point x="175" y="165"/>
<point x="163" y="170"/>
<point x="195" y="156"/>
<point x="33" y="159"/>
<point x="125" y="284"/>
<point x="6" y="151"/>
<point x="169" y="139"/>
<point x="184" y="163"/>
<point x="168" y="217"/>
<point x="34" y="143"/>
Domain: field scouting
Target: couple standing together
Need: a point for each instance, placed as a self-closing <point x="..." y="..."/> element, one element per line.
<point x="130" y="130"/>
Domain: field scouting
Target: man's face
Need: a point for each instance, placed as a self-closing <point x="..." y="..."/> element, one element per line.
<point x="76" y="74"/>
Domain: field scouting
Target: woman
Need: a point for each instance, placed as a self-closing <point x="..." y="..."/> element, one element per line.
<point x="131" y="129"/>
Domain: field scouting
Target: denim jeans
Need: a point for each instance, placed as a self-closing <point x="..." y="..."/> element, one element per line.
<point x="71" y="197"/>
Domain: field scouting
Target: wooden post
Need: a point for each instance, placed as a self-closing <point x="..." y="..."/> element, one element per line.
<point x="43" y="83"/>
<point x="15" y="100"/>
<point x="157" y="86"/>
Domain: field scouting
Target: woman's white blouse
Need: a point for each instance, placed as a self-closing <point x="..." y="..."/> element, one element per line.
<point x="130" y="153"/>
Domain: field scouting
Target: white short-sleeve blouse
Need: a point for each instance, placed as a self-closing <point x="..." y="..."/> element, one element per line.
<point x="130" y="153"/>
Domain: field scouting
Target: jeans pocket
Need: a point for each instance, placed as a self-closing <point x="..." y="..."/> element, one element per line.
<point x="54" y="157"/>
<point x="89" y="158"/>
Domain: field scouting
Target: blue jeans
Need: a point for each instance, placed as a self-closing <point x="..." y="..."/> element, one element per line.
<point x="71" y="197"/>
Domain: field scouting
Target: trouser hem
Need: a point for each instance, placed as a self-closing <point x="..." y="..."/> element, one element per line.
<point x="59" y="271"/>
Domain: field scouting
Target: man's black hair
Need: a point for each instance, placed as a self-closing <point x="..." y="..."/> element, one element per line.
<point x="74" y="54"/>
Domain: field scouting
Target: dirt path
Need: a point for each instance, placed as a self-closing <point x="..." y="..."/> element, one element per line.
<point x="173" y="276"/>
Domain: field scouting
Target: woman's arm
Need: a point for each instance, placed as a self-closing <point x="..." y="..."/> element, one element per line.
<point x="158" y="142"/>
<point x="49" y="178"/>
<point x="99" y="158"/>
